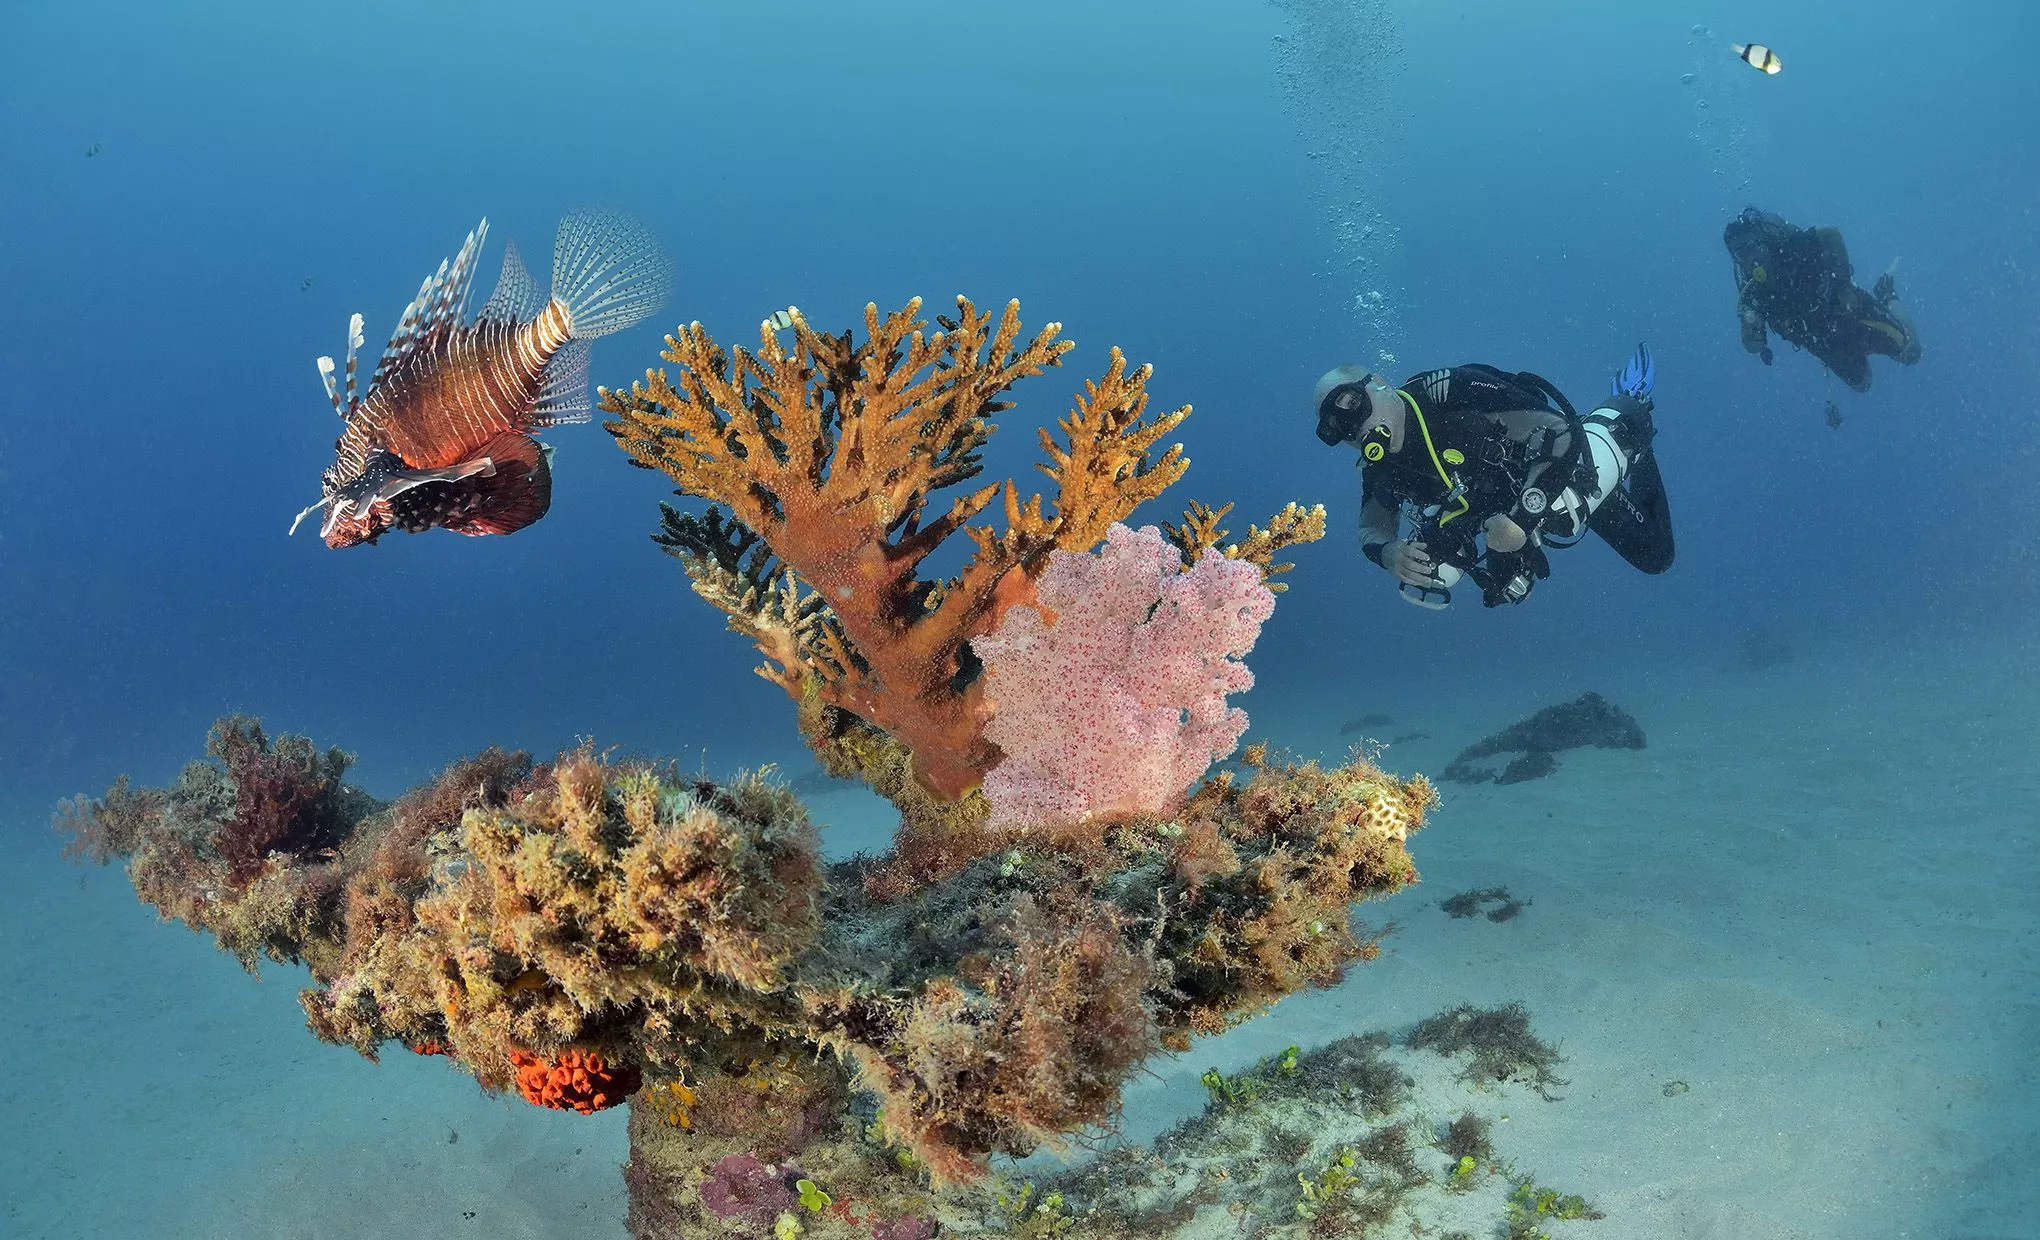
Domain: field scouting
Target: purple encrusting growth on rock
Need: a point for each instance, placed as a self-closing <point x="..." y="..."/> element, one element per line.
<point x="742" y="1188"/>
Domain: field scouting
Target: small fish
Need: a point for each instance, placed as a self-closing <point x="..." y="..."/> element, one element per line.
<point x="94" y="149"/>
<point x="780" y="320"/>
<point x="1757" y="56"/>
<point x="306" y="287"/>
<point x="443" y="436"/>
<point x="1834" y="416"/>
<point x="1686" y="79"/>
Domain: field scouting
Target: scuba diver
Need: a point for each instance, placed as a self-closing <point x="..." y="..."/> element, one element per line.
<point x="1489" y="468"/>
<point x="1798" y="283"/>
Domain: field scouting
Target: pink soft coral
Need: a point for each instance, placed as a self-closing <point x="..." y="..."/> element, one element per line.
<point x="1117" y="705"/>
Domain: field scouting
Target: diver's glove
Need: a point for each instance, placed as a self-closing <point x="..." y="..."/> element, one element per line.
<point x="1638" y="377"/>
<point x="1884" y="291"/>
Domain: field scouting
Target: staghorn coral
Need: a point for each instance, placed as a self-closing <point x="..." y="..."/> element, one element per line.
<point x="827" y="458"/>
<point x="1200" y="532"/>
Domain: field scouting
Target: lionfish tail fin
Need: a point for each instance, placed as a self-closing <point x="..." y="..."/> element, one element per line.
<point x="609" y="272"/>
<point x="564" y="399"/>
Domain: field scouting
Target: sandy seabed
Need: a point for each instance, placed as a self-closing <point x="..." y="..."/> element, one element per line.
<point x="1813" y="902"/>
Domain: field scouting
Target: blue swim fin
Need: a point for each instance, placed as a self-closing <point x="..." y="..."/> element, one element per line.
<point x="1638" y="377"/>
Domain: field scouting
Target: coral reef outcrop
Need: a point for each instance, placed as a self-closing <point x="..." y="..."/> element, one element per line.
<point x="587" y="925"/>
<point x="591" y="931"/>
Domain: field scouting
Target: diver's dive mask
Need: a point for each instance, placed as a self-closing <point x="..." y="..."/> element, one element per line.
<point x="1346" y="409"/>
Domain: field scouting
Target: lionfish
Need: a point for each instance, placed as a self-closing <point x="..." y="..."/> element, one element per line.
<point x="443" y="437"/>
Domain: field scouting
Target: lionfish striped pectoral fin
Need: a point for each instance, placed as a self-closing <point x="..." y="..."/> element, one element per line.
<point x="517" y="492"/>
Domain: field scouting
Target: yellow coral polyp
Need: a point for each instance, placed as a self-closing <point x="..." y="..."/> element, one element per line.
<point x="761" y="1077"/>
<point x="675" y="1104"/>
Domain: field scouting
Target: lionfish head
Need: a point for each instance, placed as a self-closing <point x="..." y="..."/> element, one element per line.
<point x="353" y="513"/>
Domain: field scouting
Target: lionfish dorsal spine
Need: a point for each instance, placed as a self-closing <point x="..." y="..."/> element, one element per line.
<point x="439" y="306"/>
<point x="325" y="365"/>
<point x="343" y="404"/>
<point x="399" y="346"/>
<point x="354" y="342"/>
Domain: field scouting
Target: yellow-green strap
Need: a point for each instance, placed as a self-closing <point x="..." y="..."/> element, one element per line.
<point x="1432" y="448"/>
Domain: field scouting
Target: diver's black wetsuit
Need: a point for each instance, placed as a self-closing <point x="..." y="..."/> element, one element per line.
<point x="1798" y="283"/>
<point x="1481" y="442"/>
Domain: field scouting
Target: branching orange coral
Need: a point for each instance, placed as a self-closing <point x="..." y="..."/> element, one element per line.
<point x="1200" y="532"/>
<point x="827" y="457"/>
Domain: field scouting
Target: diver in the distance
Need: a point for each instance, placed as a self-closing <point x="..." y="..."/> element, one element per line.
<point x="1486" y="469"/>
<point x="1798" y="283"/>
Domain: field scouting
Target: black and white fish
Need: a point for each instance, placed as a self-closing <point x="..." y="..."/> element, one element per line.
<point x="1759" y="57"/>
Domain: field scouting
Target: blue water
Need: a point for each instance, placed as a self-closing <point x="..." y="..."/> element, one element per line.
<point x="194" y="199"/>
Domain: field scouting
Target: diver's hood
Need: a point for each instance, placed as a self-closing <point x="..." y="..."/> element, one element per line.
<point x="1751" y="235"/>
<point x="1337" y="377"/>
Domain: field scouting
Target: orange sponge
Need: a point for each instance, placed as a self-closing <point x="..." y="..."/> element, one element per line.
<point x="574" y="1080"/>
